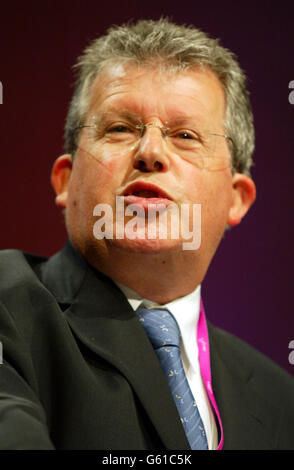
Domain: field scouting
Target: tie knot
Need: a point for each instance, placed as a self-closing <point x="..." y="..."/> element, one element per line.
<point x="160" y="326"/>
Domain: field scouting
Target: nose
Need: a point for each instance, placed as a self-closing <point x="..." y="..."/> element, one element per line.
<point x="151" y="153"/>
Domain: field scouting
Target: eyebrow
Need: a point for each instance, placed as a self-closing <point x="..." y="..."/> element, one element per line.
<point x="184" y="119"/>
<point x="103" y="117"/>
<point x="113" y="113"/>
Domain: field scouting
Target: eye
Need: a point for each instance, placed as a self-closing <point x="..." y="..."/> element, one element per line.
<point x="120" y="132"/>
<point x="121" y="128"/>
<point x="185" y="134"/>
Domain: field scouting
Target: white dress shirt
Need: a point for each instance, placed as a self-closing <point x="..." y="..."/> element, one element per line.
<point x="186" y="312"/>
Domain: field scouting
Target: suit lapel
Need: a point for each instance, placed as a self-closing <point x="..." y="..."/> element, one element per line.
<point x="101" y="317"/>
<point x="249" y="422"/>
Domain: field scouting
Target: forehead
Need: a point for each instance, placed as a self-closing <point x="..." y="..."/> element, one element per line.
<point x="151" y="92"/>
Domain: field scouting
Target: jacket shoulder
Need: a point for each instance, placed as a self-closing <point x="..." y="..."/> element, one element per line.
<point x="20" y="275"/>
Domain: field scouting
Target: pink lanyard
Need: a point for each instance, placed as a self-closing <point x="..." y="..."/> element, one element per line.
<point x="204" y="359"/>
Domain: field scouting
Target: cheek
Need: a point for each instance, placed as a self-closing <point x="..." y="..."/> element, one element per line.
<point x="95" y="180"/>
<point x="214" y="192"/>
<point x="217" y="204"/>
<point x="107" y="168"/>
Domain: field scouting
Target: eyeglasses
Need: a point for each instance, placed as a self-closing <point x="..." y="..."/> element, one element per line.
<point x="202" y="148"/>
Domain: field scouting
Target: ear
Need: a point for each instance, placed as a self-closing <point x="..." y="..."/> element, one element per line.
<point x="60" y="176"/>
<point x="243" y="196"/>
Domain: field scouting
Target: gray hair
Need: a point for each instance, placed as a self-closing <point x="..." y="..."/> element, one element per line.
<point x="177" y="48"/>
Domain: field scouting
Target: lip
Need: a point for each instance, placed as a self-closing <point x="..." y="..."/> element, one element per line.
<point x="159" y="194"/>
<point x="158" y="201"/>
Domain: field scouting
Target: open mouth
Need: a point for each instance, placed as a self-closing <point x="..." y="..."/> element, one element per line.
<point x="147" y="196"/>
<point x="146" y="191"/>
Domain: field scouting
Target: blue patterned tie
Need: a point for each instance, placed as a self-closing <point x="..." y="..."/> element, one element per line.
<point x="164" y="334"/>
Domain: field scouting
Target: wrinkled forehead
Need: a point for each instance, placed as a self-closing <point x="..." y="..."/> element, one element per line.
<point x="155" y="90"/>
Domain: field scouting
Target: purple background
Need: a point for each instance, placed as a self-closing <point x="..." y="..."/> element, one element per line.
<point x="248" y="288"/>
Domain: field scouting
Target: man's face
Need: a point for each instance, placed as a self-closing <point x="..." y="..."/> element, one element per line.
<point x="107" y="164"/>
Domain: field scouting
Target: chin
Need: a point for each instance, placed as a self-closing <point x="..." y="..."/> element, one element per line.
<point x="146" y="246"/>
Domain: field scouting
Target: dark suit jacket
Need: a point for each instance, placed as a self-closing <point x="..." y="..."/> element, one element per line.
<point x="80" y="373"/>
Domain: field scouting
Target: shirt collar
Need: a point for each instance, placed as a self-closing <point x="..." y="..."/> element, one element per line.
<point x="185" y="310"/>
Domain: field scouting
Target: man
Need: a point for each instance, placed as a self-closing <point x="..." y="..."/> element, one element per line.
<point x="159" y="125"/>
